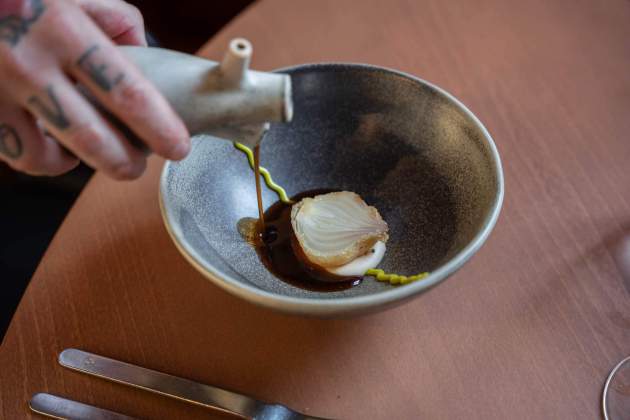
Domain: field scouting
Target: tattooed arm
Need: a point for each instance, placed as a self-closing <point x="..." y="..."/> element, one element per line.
<point x="45" y="123"/>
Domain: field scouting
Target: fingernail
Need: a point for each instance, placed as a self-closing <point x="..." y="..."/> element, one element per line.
<point x="180" y="150"/>
<point x="129" y="171"/>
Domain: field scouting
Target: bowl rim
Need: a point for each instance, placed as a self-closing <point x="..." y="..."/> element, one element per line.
<point x="346" y="305"/>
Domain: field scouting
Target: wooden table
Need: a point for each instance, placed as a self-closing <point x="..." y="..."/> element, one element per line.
<point x="527" y="330"/>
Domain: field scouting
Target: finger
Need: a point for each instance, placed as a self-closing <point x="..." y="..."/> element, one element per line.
<point x="90" y="57"/>
<point x="81" y="129"/>
<point x="25" y="148"/>
<point x="122" y="89"/>
<point x="121" y="21"/>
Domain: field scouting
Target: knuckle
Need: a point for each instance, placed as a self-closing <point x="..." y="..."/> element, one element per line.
<point x="135" y="15"/>
<point x="176" y="149"/>
<point x="60" y="14"/>
<point x="127" y="171"/>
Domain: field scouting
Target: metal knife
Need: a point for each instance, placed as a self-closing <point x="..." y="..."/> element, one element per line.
<point x="175" y="387"/>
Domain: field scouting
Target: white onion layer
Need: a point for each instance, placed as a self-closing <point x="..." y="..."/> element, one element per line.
<point x="360" y="265"/>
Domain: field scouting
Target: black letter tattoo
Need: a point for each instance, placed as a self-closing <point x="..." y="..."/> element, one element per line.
<point x="55" y="116"/>
<point x="14" y="27"/>
<point x="96" y="71"/>
<point x="10" y="142"/>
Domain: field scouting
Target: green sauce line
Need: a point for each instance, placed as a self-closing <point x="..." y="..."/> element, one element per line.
<point x="377" y="273"/>
<point x="380" y="275"/>
<point x="282" y="194"/>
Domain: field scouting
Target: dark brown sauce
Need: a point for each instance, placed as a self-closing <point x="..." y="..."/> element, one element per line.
<point x="261" y="215"/>
<point x="280" y="252"/>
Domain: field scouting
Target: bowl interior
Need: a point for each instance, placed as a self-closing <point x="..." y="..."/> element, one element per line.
<point x="404" y="146"/>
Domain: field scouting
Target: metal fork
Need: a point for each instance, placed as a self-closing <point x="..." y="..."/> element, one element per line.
<point x="178" y="388"/>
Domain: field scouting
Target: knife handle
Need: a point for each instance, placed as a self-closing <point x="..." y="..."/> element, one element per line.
<point x="160" y="383"/>
<point x="61" y="408"/>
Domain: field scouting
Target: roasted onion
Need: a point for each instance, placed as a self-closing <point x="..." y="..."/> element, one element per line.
<point x="336" y="228"/>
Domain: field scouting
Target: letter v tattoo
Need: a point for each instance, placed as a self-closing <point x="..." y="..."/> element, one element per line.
<point x="54" y="114"/>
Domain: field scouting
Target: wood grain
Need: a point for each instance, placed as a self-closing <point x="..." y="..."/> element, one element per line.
<point x="528" y="329"/>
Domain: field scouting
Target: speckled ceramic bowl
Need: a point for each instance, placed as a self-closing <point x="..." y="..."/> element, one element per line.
<point x="406" y="146"/>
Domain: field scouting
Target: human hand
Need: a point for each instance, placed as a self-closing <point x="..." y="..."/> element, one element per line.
<point x="45" y="123"/>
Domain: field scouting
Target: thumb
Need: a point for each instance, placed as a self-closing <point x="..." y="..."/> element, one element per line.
<point x="121" y="21"/>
